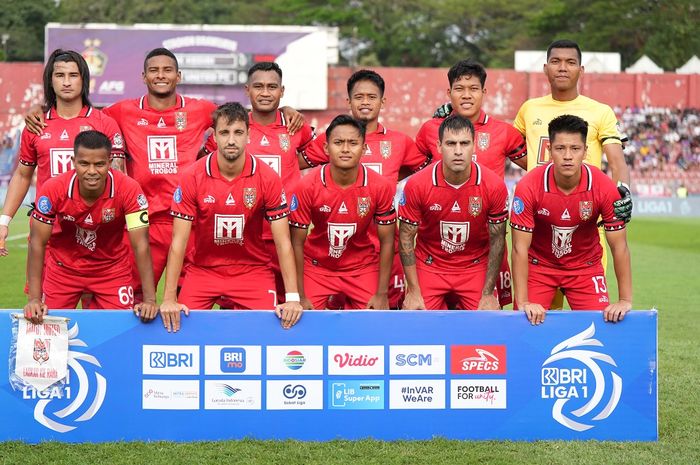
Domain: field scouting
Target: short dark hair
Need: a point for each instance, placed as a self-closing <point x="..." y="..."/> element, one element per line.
<point x="160" y="51"/>
<point x="346" y="120"/>
<point x="564" y="43"/>
<point x="455" y="123"/>
<point x="83" y="69"/>
<point x="568" y="124"/>
<point x="265" y="66"/>
<point x="92" y="140"/>
<point x="231" y="111"/>
<point x="467" y="67"/>
<point x="366" y="75"/>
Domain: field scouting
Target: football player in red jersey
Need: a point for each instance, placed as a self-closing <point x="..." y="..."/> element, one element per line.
<point x="93" y="205"/>
<point x="555" y="241"/>
<point x="227" y="196"/>
<point x="458" y="211"/>
<point x="67" y="112"/>
<point x="390" y="153"/>
<point x="342" y="199"/>
<point x="271" y="143"/>
<point x="495" y="141"/>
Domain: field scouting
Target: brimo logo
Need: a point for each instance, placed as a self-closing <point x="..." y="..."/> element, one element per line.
<point x="567" y="381"/>
<point x="78" y="399"/>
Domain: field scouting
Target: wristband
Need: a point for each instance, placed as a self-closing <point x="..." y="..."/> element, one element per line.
<point x="5" y="220"/>
<point x="292" y="297"/>
<point x="625" y="185"/>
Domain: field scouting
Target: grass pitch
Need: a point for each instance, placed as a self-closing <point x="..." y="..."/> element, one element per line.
<point x="666" y="264"/>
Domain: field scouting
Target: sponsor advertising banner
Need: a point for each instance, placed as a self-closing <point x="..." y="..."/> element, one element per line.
<point x="214" y="60"/>
<point x="386" y="375"/>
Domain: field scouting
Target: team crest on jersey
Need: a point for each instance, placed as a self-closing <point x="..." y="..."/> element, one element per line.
<point x="108" y="215"/>
<point x="483" y="140"/>
<point x="363" y="206"/>
<point x="475" y="206"/>
<point x="180" y="120"/>
<point x="249" y="195"/>
<point x="585" y="209"/>
<point x="385" y="148"/>
<point x="284" y="141"/>
<point x="85" y="128"/>
<point x="41" y="350"/>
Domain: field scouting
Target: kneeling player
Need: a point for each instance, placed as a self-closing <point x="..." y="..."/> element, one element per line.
<point x="229" y="194"/>
<point x="555" y="238"/>
<point x="459" y="212"/>
<point x="92" y="204"/>
<point x="340" y="200"/>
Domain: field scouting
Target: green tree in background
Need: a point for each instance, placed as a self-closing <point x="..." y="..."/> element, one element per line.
<point x="402" y="33"/>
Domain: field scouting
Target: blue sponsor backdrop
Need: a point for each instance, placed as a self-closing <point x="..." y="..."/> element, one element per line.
<point x="574" y="377"/>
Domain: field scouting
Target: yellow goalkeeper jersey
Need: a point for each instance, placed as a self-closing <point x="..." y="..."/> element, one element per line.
<point x="534" y="117"/>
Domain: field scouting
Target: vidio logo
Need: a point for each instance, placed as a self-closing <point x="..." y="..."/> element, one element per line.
<point x="571" y="381"/>
<point x="56" y="397"/>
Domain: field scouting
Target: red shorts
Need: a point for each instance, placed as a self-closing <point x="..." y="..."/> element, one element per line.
<point x="240" y="287"/>
<point x="358" y="287"/>
<point x="586" y="290"/>
<point x="463" y="289"/>
<point x="504" y="280"/>
<point x="397" y="286"/>
<point x="63" y="288"/>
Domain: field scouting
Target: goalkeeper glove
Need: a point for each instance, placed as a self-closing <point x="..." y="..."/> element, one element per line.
<point x="443" y="111"/>
<point x="623" y="207"/>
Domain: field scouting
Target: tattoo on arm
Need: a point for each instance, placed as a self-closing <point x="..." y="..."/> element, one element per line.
<point x="407" y="238"/>
<point x="497" y="240"/>
<point x="118" y="164"/>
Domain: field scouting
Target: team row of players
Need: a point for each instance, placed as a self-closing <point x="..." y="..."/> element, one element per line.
<point x="157" y="142"/>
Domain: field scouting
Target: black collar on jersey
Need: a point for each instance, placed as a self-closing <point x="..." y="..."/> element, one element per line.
<point x="361" y="175"/>
<point x="212" y="167"/>
<point x="439" y="177"/>
<point x="550" y="179"/>
<point x="143" y="102"/>
<point x="110" y="185"/>
<point x="85" y="112"/>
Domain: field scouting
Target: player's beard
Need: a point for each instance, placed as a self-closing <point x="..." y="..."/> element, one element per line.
<point x="232" y="156"/>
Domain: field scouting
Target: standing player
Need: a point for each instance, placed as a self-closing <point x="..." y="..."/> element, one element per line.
<point x="555" y="245"/>
<point x="67" y="113"/>
<point x="495" y="141"/>
<point x="93" y="205"/>
<point x="341" y="200"/>
<point x="458" y="211"/>
<point x="390" y="153"/>
<point x="563" y="70"/>
<point x="270" y="141"/>
<point x="228" y="195"/>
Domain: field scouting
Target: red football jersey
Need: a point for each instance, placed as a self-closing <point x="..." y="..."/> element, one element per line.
<point x="161" y="144"/>
<point x="91" y="239"/>
<point x="273" y="145"/>
<point x="51" y="152"/>
<point x="387" y="152"/>
<point x="494" y="141"/>
<point x="453" y="231"/>
<point x="228" y="215"/>
<point x="564" y="231"/>
<point x="339" y="241"/>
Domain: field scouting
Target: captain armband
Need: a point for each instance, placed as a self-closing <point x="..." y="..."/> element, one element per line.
<point x="137" y="220"/>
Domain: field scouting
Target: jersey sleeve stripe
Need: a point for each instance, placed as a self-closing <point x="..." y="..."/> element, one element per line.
<point x="43" y="218"/>
<point x="299" y="225"/>
<point x="182" y="216"/>
<point x="520" y="227"/>
<point x="403" y="219"/>
<point x="27" y="163"/>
